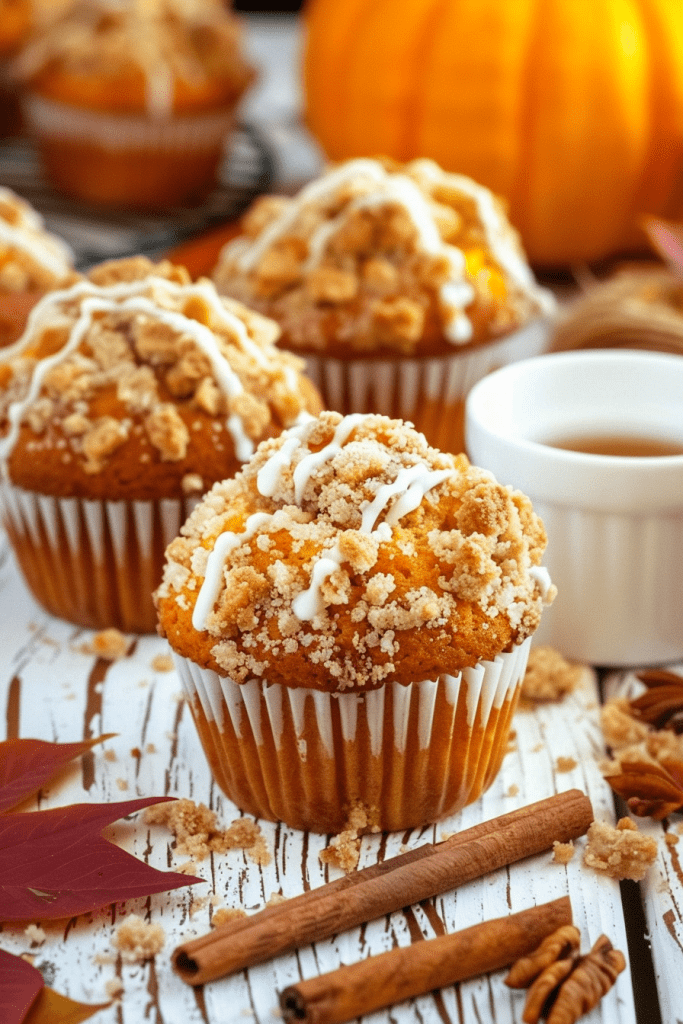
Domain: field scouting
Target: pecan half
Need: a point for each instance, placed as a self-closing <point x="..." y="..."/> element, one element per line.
<point x="662" y="703"/>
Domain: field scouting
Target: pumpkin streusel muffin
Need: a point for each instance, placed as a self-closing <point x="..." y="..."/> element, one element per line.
<point x="128" y="395"/>
<point x="31" y="262"/>
<point x="132" y="102"/>
<point x="401" y="285"/>
<point x="351" y="617"/>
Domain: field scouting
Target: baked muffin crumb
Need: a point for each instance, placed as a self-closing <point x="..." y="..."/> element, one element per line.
<point x="621" y="852"/>
<point x="137" y="940"/>
<point x="562" y="852"/>
<point x="549" y="677"/>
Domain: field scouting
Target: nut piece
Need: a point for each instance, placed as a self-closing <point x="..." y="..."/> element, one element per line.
<point x="562" y="984"/>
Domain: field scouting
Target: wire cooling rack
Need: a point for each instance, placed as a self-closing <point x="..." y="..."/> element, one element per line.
<point x="95" y="233"/>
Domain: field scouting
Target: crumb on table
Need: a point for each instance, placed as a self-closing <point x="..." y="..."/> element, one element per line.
<point x="549" y="677"/>
<point x="198" y="834"/>
<point x="137" y="940"/>
<point x="563" y="852"/>
<point x="109" y="644"/>
<point x="621" y="852"/>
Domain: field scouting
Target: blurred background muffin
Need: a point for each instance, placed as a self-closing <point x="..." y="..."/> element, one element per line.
<point x="132" y="391"/>
<point x="401" y="285"/>
<point x="15" y="23"/>
<point x="32" y="261"/>
<point x="351" y="617"/>
<point x="132" y="102"/>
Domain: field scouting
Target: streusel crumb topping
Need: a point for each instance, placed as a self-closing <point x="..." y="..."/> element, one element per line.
<point x="194" y="42"/>
<point x="375" y="255"/>
<point x="347" y="553"/>
<point x="31" y="259"/>
<point x="136" y="358"/>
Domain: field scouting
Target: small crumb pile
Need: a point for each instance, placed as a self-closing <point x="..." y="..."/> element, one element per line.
<point x="343" y="851"/>
<point x="225" y="914"/>
<point x="548" y="679"/>
<point x="137" y="941"/>
<point x="35" y="933"/>
<point x="109" y="644"/>
<point x="562" y="852"/>
<point x="565" y="764"/>
<point x="197" y="833"/>
<point x="621" y="852"/>
<point x="162" y="663"/>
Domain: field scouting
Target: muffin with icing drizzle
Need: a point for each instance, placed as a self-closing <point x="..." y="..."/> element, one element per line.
<point x="129" y="394"/>
<point x="401" y="286"/>
<point x="31" y="262"/>
<point x="132" y="102"/>
<point x="351" y="617"/>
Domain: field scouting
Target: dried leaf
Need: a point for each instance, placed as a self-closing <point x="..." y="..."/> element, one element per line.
<point x="26" y="765"/>
<point x="650" y="788"/>
<point x="56" y="864"/>
<point x="52" y="1008"/>
<point x="25" y="1000"/>
<point x="20" y="984"/>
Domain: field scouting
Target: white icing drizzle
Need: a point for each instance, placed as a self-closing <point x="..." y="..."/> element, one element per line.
<point x="48" y="252"/>
<point x="225" y="543"/>
<point x="126" y="296"/>
<point x="412" y="483"/>
<point x="540" y="575"/>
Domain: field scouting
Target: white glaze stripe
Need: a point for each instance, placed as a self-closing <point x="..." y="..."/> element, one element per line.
<point x="55" y="258"/>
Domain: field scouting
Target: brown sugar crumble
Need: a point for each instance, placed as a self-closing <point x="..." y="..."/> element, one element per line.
<point x="137" y="940"/>
<point x="376" y="255"/>
<point x="343" y="851"/>
<point x="35" y="933"/>
<point x="562" y="852"/>
<point x="109" y="644"/>
<point x="162" y="663"/>
<point x="565" y="764"/>
<point x="225" y="914"/>
<point x="549" y="678"/>
<point x="621" y="852"/>
<point x="197" y="833"/>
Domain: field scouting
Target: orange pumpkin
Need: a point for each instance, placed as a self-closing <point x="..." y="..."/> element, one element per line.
<point x="571" y="109"/>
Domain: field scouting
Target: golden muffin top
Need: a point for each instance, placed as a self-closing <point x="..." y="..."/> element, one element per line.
<point x="180" y="50"/>
<point x="134" y="383"/>
<point x="31" y="259"/>
<point x="377" y="256"/>
<point x="348" y="553"/>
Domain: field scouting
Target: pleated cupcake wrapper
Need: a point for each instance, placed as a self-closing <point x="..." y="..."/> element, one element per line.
<point x="381" y="728"/>
<point x="424" y="391"/>
<point x="125" y="132"/>
<point x="95" y="563"/>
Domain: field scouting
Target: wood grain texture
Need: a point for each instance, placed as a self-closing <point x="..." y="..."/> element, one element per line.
<point x="662" y="887"/>
<point x="51" y="690"/>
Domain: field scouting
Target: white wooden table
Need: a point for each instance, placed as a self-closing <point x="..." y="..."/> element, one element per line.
<point x="50" y="690"/>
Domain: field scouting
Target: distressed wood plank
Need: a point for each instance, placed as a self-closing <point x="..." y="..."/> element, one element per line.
<point x="662" y="887"/>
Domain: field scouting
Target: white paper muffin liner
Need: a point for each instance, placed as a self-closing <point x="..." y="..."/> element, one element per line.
<point x="429" y="392"/>
<point x="125" y="132"/>
<point x="407" y="754"/>
<point x="95" y="563"/>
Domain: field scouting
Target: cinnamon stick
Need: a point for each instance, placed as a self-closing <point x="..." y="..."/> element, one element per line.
<point x="384" y="888"/>
<point x="408" y="971"/>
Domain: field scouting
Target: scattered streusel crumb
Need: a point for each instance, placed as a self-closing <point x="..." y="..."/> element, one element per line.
<point x="275" y="898"/>
<point x="109" y="644"/>
<point x="35" y="933"/>
<point x="187" y="868"/>
<point x="565" y="764"/>
<point x="114" y="988"/>
<point x="563" y="852"/>
<point x="537" y="748"/>
<point x="512" y="790"/>
<point x="197" y="834"/>
<point x="122" y="784"/>
<point x="343" y="851"/>
<point x="619" y="727"/>
<point x="225" y="914"/>
<point x="549" y="677"/>
<point x="110" y="755"/>
<point x="671" y="839"/>
<point x="162" y="663"/>
<point x="621" y="852"/>
<point x="103" y="959"/>
<point x="137" y="940"/>
<point x="198" y="903"/>
<point x="150" y="749"/>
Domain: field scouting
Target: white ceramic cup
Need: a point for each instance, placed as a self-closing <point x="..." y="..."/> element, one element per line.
<point x="614" y="523"/>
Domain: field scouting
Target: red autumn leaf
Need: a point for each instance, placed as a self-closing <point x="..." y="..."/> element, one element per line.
<point x="25" y="1000"/>
<point x="20" y="984"/>
<point x="56" y="863"/>
<point x="26" y="765"/>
